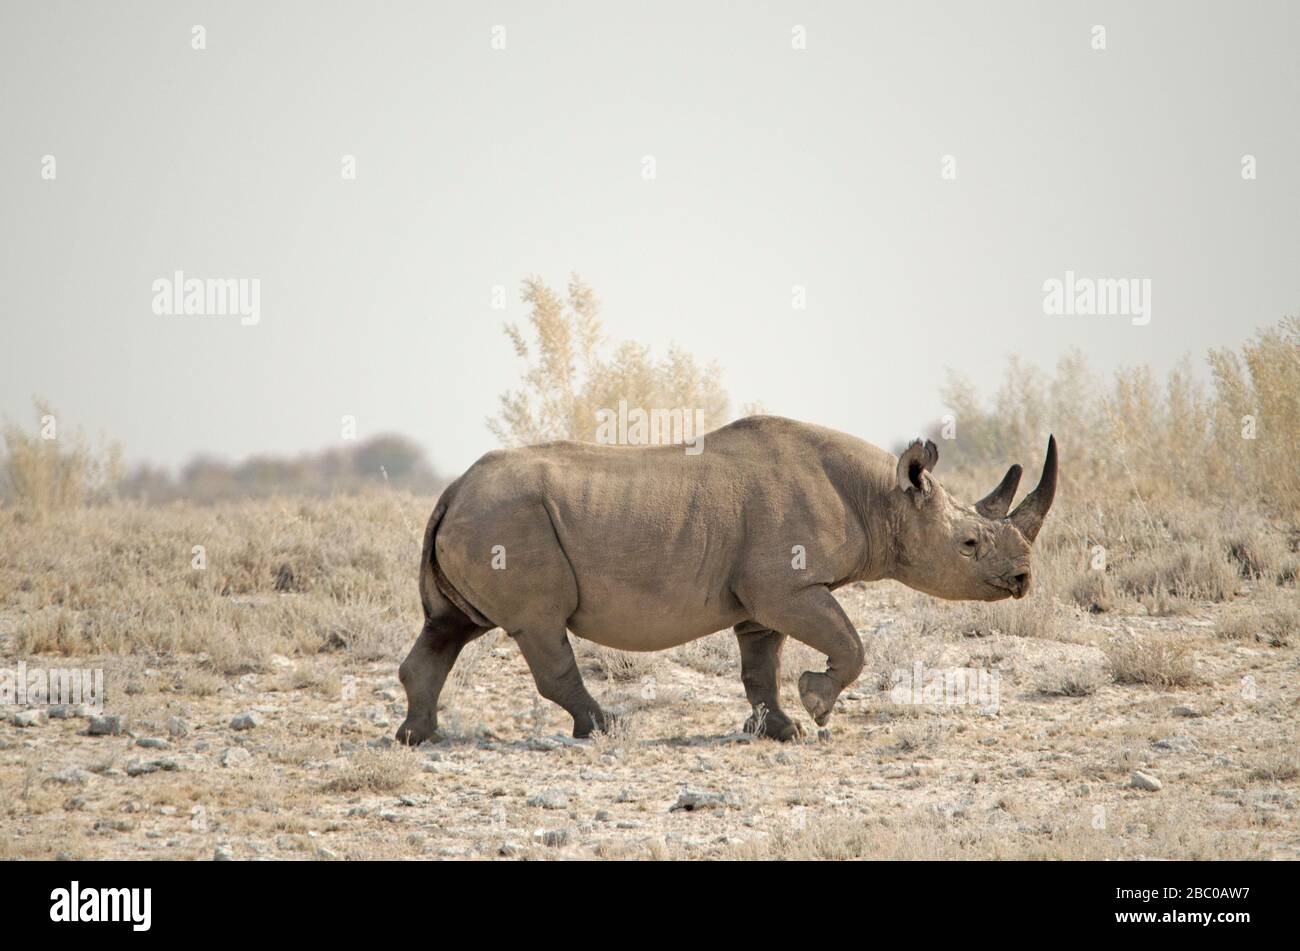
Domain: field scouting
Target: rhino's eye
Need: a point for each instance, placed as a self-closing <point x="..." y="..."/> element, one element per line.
<point x="969" y="545"/>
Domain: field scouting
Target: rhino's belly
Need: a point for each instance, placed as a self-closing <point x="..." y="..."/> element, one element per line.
<point x="651" y="626"/>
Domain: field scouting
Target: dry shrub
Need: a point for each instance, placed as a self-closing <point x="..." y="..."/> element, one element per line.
<point x="718" y="655"/>
<point x="1035" y="615"/>
<point x="616" y="665"/>
<point x="1150" y="659"/>
<point x="570" y="375"/>
<point x="1280" y="767"/>
<point x="52" y="469"/>
<point x="1136" y="439"/>
<point x="120" y="578"/>
<point x="1093" y="591"/>
<point x="1193" y="572"/>
<point x="375" y="771"/>
<point x="1069" y="681"/>
<point x="1260" y="554"/>
<point x="1275" y="625"/>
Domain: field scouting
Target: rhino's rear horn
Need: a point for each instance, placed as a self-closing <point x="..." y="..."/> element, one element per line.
<point x="996" y="503"/>
<point x="1029" y="514"/>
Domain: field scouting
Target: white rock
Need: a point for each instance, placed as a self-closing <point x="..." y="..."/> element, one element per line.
<point x="1142" y="780"/>
<point x="550" y="799"/>
<point x="235" y="756"/>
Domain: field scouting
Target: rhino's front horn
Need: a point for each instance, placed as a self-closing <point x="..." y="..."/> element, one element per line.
<point x="1029" y="514"/>
<point x="996" y="503"/>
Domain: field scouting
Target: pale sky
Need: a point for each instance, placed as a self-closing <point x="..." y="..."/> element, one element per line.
<point x="478" y="166"/>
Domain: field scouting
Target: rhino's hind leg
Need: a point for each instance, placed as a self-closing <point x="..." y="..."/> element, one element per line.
<point x="760" y="672"/>
<point x="816" y="618"/>
<point x="426" y="667"/>
<point x="550" y="658"/>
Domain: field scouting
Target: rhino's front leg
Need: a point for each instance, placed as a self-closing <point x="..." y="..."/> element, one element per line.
<point x="760" y="672"/>
<point x="812" y="615"/>
<point x="555" y="670"/>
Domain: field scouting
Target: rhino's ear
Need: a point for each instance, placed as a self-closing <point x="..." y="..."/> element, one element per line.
<point x="913" y="470"/>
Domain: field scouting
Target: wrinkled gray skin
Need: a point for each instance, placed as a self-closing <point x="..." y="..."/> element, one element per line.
<point x="644" y="548"/>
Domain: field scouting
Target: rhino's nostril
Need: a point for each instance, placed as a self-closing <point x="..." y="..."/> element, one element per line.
<point x="1021" y="581"/>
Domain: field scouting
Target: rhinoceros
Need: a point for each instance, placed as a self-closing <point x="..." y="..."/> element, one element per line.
<point x="644" y="548"/>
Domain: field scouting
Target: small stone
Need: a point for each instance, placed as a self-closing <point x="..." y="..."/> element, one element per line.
<point x="75" y="804"/>
<point x="510" y="849"/>
<point x="66" y="711"/>
<point x="692" y="799"/>
<point x="327" y="855"/>
<point x="246" y="721"/>
<point x="28" y="718"/>
<point x="72" y="777"/>
<point x="152" y="743"/>
<point x="178" y="727"/>
<point x="1182" y="710"/>
<point x="1177" y="744"/>
<point x="144" y="767"/>
<point x="223" y="854"/>
<point x="234" y="756"/>
<point x="1142" y="780"/>
<point x="602" y="815"/>
<point x="549" y="799"/>
<point x="111" y="725"/>
<point x="115" y="825"/>
<point x="166" y="810"/>
<point x="552" y="838"/>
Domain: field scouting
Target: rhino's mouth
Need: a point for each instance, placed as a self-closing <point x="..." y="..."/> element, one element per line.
<point x="1016" y="587"/>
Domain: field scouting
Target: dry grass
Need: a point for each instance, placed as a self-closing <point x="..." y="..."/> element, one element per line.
<point x="1069" y="681"/>
<point x="304" y="607"/>
<point x="1276" y="625"/>
<point x="375" y="771"/>
<point x="125" y="579"/>
<point x="1147" y="660"/>
<point x="54" y="468"/>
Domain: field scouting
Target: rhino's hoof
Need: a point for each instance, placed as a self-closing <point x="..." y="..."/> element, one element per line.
<point x="774" y="725"/>
<point x="817" y="692"/>
<point x="415" y="730"/>
<point x="599" y="722"/>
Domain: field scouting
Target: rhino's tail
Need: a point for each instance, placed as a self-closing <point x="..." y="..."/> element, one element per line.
<point x="435" y="588"/>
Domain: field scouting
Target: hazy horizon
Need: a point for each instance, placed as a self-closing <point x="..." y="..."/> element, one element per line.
<point x="477" y="167"/>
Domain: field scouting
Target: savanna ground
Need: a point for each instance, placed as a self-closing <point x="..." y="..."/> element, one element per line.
<point x="1178" y="659"/>
<point x="1147" y="689"/>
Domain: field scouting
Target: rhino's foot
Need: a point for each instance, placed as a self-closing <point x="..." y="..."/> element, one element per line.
<point x="818" y="693"/>
<point x="415" y="730"/>
<point x="598" y="721"/>
<point x="775" y="725"/>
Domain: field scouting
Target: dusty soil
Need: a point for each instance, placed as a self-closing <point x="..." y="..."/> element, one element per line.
<point x="1039" y="775"/>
